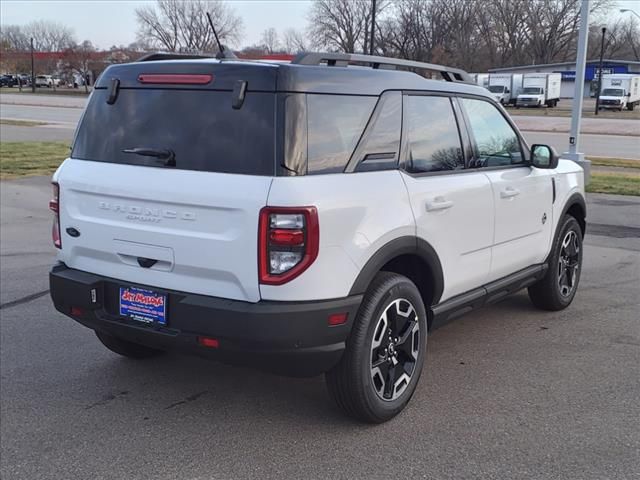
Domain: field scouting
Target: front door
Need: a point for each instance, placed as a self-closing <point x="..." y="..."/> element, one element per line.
<point x="523" y="195"/>
<point x="453" y="207"/>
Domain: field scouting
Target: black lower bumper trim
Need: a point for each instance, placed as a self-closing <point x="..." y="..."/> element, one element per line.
<point x="292" y="338"/>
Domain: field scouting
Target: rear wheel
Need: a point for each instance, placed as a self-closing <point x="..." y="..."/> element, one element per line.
<point x="125" y="348"/>
<point x="381" y="366"/>
<point x="557" y="289"/>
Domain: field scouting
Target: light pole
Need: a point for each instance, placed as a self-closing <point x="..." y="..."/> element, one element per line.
<point x="33" y="72"/>
<point x="576" y="110"/>
<point x="623" y="10"/>
<point x="604" y="31"/>
<point x="373" y="25"/>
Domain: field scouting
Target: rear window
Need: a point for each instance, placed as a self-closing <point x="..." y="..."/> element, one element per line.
<point x="199" y="126"/>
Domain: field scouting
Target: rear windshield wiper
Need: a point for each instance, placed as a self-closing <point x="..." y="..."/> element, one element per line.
<point x="168" y="156"/>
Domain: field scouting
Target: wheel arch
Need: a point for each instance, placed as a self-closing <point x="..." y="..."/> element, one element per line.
<point x="577" y="208"/>
<point x="409" y="256"/>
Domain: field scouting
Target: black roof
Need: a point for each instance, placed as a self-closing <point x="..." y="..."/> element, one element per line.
<point x="369" y="75"/>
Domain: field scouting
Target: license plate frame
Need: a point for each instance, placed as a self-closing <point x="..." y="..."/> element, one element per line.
<point x="143" y="305"/>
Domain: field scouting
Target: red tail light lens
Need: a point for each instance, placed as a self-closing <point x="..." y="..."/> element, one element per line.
<point x="54" y="206"/>
<point x="287" y="244"/>
<point x="175" y="78"/>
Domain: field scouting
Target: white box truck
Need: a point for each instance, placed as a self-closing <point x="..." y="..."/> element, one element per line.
<point x="481" y="79"/>
<point x="539" y="89"/>
<point x="505" y="87"/>
<point x="620" y="91"/>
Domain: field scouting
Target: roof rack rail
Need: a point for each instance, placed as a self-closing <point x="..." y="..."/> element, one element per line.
<point x="344" y="59"/>
<point x="172" y="56"/>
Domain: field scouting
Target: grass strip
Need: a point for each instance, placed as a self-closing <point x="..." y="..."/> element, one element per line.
<point x="20" y="123"/>
<point x="615" y="162"/>
<point x="18" y="159"/>
<point x="616" y="183"/>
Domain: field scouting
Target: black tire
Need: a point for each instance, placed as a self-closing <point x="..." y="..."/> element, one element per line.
<point x="127" y="349"/>
<point x="558" y="287"/>
<point x="631" y="106"/>
<point x="357" y="386"/>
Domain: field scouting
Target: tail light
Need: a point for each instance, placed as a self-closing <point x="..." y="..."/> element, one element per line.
<point x="54" y="206"/>
<point x="287" y="244"/>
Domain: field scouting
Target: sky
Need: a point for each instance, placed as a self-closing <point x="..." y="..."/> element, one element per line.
<point x="113" y="22"/>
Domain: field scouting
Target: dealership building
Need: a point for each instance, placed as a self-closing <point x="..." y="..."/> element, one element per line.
<point x="568" y="71"/>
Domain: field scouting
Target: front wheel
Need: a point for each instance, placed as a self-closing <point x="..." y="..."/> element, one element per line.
<point x="382" y="363"/>
<point x="558" y="287"/>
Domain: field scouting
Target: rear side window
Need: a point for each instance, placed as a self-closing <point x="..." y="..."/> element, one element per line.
<point x="334" y="126"/>
<point x="379" y="146"/>
<point x="433" y="139"/>
<point x="199" y="126"/>
<point x="496" y="142"/>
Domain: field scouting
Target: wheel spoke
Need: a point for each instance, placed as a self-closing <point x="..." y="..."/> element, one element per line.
<point x="407" y="332"/>
<point x="378" y="362"/>
<point x="390" y="382"/>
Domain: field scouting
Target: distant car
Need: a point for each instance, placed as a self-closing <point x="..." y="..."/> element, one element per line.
<point x="25" y="80"/>
<point x="8" y="81"/>
<point x="45" y="81"/>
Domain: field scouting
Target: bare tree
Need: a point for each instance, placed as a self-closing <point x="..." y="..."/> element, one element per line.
<point x="270" y="40"/>
<point x="49" y="36"/>
<point x="294" y="41"/>
<point x="177" y="25"/>
<point x="13" y="38"/>
<point x="343" y="25"/>
<point x="503" y="28"/>
<point x="79" y="59"/>
<point x="622" y="39"/>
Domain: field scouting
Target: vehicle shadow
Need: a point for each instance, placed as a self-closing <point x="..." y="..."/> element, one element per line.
<point x="191" y="386"/>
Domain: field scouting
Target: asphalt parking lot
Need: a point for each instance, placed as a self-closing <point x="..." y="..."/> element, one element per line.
<point x="508" y="392"/>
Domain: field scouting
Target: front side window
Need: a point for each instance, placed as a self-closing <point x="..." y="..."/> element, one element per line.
<point x="433" y="140"/>
<point x="497" y="143"/>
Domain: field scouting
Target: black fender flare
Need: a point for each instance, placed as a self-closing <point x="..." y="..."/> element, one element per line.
<point x="407" y="245"/>
<point x="575" y="198"/>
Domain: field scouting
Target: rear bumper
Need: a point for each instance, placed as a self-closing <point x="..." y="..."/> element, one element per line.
<point x="291" y="338"/>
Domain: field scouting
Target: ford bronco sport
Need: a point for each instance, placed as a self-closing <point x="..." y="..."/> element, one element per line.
<point x="314" y="217"/>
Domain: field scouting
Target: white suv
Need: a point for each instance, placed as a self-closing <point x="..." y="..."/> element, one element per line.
<point x="306" y="218"/>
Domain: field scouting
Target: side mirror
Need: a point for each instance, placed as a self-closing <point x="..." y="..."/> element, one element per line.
<point x="544" y="156"/>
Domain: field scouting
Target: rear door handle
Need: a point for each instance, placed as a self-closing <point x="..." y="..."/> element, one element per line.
<point x="438" y="203"/>
<point x="509" y="192"/>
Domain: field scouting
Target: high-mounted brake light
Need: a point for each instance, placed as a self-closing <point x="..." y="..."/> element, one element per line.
<point x="54" y="206"/>
<point x="288" y="242"/>
<point x="175" y="78"/>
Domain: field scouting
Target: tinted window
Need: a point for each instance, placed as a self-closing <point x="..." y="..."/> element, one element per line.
<point x="200" y="127"/>
<point x="380" y="143"/>
<point x="496" y="141"/>
<point x="335" y="124"/>
<point x="433" y="140"/>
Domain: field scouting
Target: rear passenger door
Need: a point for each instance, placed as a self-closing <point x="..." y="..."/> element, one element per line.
<point x="453" y="207"/>
<point x="522" y="194"/>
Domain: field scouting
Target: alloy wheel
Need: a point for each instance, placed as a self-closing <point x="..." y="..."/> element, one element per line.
<point x="568" y="263"/>
<point x="394" y="349"/>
